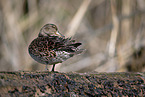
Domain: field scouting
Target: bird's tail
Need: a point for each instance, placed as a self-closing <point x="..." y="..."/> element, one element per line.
<point x="79" y="51"/>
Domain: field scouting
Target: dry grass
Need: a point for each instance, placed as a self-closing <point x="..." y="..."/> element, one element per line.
<point x="111" y="32"/>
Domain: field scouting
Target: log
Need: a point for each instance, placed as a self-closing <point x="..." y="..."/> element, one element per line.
<point x="45" y="83"/>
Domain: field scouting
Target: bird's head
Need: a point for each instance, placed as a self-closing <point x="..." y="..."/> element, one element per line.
<point x="49" y="30"/>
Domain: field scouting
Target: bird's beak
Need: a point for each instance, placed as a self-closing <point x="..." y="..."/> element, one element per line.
<point x="59" y="34"/>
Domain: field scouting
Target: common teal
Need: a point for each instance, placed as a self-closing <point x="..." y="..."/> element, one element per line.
<point x="51" y="47"/>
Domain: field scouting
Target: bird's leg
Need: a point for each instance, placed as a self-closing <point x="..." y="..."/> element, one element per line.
<point x="46" y="67"/>
<point x="53" y="67"/>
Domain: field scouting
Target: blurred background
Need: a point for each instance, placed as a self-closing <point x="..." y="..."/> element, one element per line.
<point x="111" y="31"/>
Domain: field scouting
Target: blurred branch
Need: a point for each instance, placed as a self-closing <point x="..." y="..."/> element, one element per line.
<point x="141" y="4"/>
<point x="12" y="36"/>
<point x="115" y="29"/>
<point x="72" y="27"/>
<point x="125" y="50"/>
<point x="139" y="36"/>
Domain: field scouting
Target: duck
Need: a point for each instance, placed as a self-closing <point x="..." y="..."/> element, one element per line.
<point x="51" y="47"/>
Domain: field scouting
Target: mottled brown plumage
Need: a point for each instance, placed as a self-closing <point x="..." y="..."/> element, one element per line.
<point x="51" y="47"/>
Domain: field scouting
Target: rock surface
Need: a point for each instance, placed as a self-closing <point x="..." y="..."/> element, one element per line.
<point x="52" y="84"/>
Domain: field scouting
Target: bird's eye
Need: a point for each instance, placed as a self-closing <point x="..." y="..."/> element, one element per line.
<point x="53" y="26"/>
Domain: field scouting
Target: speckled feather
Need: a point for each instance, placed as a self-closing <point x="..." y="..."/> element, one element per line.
<point x="51" y="47"/>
